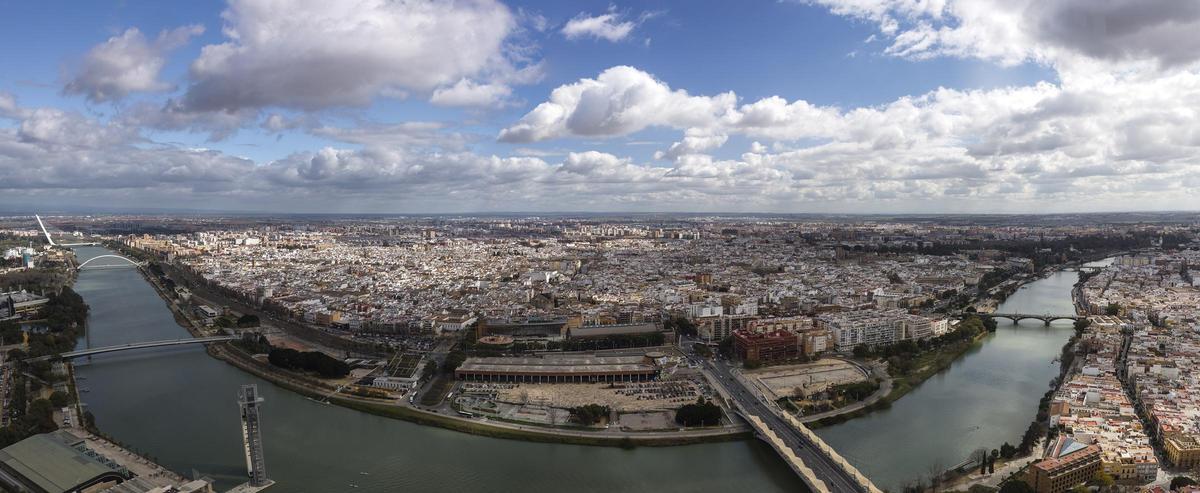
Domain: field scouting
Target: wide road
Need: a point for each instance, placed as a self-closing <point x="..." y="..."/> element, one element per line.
<point x="836" y="478"/>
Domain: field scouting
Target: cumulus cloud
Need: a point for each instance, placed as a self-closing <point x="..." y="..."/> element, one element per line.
<point x="324" y="54"/>
<point x="127" y="63"/>
<point x="695" y="141"/>
<point x="51" y="149"/>
<point x="608" y="26"/>
<point x="620" y="101"/>
<point x="1126" y="131"/>
<point x="1064" y="33"/>
<point x="1016" y="141"/>
<point x="468" y="93"/>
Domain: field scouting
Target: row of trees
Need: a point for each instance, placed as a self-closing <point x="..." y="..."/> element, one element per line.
<point x="314" y="361"/>
<point x="27" y="418"/>
<point x="590" y="414"/>
<point x="291" y="359"/>
<point x="901" y="356"/>
<point x="702" y="413"/>
<point x="614" y="341"/>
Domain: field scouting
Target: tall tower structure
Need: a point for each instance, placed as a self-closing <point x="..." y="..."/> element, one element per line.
<point x="249" y="401"/>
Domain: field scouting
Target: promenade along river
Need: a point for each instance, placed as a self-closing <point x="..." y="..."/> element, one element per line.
<point x="178" y="405"/>
<point x="986" y="398"/>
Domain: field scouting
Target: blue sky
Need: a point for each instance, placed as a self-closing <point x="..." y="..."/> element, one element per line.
<point x="821" y="105"/>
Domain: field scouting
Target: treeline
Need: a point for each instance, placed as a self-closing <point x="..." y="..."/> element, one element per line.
<point x="856" y="391"/>
<point x="65" y="314"/>
<point x="613" y="342"/>
<point x="702" y="413"/>
<point x="291" y="359"/>
<point x="26" y="418"/>
<point x="901" y="356"/>
<point x="314" y="361"/>
<point x="66" y="309"/>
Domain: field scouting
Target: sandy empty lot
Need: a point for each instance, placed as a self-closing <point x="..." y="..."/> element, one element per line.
<point x="811" y="377"/>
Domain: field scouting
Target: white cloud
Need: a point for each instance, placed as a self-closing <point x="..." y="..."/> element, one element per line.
<point x="1106" y="138"/>
<point x="127" y="63"/>
<point x="346" y="53"/>
<point x="620" y="101"/>
<point x="695" y="141"/>
<point x="1068" y="34"/>
<point x="608" y="26"/>
<point x="468" y="93"/>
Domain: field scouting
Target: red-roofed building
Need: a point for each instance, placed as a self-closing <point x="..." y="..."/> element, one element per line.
<point x="1066" y="464"/>
<point x="766" y="347"/>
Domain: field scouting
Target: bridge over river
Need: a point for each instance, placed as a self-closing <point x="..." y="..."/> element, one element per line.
<point x="1017" y="317"/>
<point x="136" y="345"/>
<point x="821" y="467"/>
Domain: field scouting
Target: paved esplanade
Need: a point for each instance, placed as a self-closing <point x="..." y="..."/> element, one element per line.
<point x="815" y="462"/>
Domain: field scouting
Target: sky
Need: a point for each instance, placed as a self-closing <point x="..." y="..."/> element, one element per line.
<point x="374" y="106"/>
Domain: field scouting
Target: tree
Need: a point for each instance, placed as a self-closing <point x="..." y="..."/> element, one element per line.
<point x="590" y="414"/>
<point x="862" y="351"/>
<point x="1007" y="451"/>
<point x="1102" y="479"/>
<point x="702" y="413"/>
<point x="453" y="360"/>
<point x="981" y="455"/>
<point x="1112" y="309"/>
<point x="1015" y="486"/>
<point x="1181" y="481"/>
<point x="702" y="350"/>
<point x="725" y="347"/>
<point x="59" y="399"/>
<point x="247" y="321"/>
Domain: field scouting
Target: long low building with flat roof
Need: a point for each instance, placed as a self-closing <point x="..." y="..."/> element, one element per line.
<point x="561" y="369"/>
<point x="57" y="462"/>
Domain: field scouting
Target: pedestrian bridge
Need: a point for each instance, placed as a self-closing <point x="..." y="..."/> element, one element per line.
<point x="137" y="345"/>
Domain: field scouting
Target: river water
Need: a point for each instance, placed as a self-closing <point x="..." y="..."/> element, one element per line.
<point x="986" y="398"/>
<point x="179" y="406"/>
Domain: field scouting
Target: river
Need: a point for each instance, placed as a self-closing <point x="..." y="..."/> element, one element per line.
<point x="986" y="398"/>
<point x="178" y="406"/>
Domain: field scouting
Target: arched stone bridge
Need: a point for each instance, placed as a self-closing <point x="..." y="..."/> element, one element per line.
<point x="1017" y="317"/>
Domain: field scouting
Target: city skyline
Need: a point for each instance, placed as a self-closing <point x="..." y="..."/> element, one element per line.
<point x="822" y="106"/>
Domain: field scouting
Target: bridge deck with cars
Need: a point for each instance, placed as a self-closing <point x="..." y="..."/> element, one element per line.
<point x="817" y="464"/>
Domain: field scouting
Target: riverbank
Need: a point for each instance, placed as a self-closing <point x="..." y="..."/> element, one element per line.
<point x="235" y="357"/>
<point x="240" y="359"/>
<point x="928" y="364"/>
<point x="1013" y="466"/>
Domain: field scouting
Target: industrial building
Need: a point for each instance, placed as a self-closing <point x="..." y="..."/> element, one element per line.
<point x="57" y="462"/>
<point x="520" y="328"/>
<point x="561" y="369"/>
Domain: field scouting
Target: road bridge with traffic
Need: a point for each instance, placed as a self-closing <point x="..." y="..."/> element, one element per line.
<point x="817" y="464"/>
